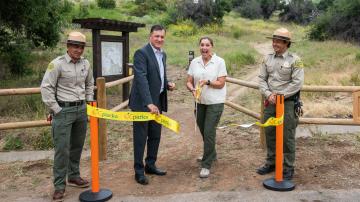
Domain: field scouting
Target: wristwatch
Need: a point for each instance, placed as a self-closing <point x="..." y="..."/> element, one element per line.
<point x="208" y="82"/>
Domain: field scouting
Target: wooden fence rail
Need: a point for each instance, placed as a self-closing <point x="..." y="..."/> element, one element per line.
<point x="41" y="123"/>
<point x="305" y="88"/>
<point x="327" y="121"/>
<point x="321" y="121"/>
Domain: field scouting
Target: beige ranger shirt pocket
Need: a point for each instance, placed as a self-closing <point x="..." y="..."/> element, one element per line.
<point x="269" y="64"/>
<point x="285" y="71"/>
<point x="67" y="77"/>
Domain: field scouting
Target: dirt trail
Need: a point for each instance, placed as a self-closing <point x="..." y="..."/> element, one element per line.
<point x="234" y="90"/>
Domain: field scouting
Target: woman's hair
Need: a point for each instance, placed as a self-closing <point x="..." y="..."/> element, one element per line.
<point x="208" y="38"/>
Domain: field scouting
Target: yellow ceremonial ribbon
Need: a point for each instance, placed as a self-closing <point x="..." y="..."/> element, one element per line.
<point x="198" y="92"/>
<point x="272" y="121"/>
<point x="133" y="116"/>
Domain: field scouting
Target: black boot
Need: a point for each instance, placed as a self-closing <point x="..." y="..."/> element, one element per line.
<point x="288" y="173"/>
<point x="265" y="169"/>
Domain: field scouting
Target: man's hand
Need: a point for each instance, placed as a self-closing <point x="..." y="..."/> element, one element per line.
<point x="153" y="109"/>
<point x="171" y="86"/>
<point x="49" y="118"/>
<point x="272" y="98"/>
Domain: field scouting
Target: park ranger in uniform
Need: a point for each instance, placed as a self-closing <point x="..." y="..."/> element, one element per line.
<point x="67" y="85"/>
<point x="281" y="73"/>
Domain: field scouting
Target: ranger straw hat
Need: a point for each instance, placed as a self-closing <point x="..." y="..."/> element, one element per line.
<point x="282" y="34"/>
<point x="76" y="38"/>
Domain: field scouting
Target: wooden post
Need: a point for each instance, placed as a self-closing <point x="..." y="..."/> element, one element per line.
<point x="96" y="53"/>
<point x="356" y="107"/>
<point x="126" y="86"/>
<point x="262" y="129"/>
<point x="101" y="101"/>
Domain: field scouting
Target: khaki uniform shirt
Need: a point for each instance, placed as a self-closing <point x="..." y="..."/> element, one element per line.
<point x="67" y="81"/>
<point x="281" y="74"/>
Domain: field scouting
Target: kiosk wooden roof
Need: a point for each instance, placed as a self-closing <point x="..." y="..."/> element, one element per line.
<point x="106" y="24"/>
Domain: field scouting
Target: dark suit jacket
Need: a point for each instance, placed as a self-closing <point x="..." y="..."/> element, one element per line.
<point x="146" y="86"/>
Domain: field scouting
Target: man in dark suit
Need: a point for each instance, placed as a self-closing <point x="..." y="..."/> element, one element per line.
<point x="149" y="94"/>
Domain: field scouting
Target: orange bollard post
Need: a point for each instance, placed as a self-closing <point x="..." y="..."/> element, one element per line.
<point x="95" y="194"/>
<point x="278" y="183"/>
<point x="94" y="137"/>
<point x="279" y="140"/>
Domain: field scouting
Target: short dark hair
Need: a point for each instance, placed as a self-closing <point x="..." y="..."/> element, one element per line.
<point x="157" y="28"/>
<point x="208" y="38"/>
<point x="289" y="44"/>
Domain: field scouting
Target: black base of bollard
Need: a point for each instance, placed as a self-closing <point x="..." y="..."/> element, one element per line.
<point x="89" y="196"/>
<point x="285" y="185"/>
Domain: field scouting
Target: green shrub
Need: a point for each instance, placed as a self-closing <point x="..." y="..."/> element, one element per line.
<point x="13" y="143"/>
<point x="204" y="12"/>
<point x="255" y="9"/>
<point x="237" y="33"/>
<point x="185" y="28"/>
<point x="298" y="11"/>
<point x="340" y="21"/>
<point x="236" y="60"/>
<point x="355" y="79"/>
<point x="357" y="57"/>
<point x="251" y="9"/>
<point x="17" y="56"/>
<point x="144" y="7"/>
<point x="169" y="17"/>
<point x="83" y="10"/>
<point x="107" y="4"/>
<point x="43" y="141"/>
<point x="67" y="6"/>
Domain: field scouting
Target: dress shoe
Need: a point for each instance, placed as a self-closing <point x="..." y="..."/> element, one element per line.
<point x="58" y="195"/>
<point x="265" y="169"/>
<point x="153" y="170"/>
<point x="141" y="179"/>
<point x="78" y="182"/>
<point x="288" y="174"/>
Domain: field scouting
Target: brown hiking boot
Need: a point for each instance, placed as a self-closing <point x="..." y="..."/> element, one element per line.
<point x="78" y="182"/>
<point x="58" y="195"/>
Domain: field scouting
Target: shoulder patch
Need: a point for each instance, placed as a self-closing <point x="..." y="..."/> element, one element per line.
<point x="299" y="64"/>
<point x="50" y="67"/>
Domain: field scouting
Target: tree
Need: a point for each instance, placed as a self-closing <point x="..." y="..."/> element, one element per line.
<point x="323" y="5"/>
<point x="256" y="8"/>
<point x="204" y="12"/>
<point x="340" y="21"/>
<point x="298" y="11"/>
<point x="268" y="7"/>
<point x="27" y="24"/>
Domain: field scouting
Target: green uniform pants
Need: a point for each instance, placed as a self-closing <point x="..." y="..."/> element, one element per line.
<point x="208" y="117"/>
<point x="69" y="132"/>
<point x="290" y="124"/>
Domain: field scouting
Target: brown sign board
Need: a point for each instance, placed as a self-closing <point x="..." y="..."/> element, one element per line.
<point x="110" y="52"/>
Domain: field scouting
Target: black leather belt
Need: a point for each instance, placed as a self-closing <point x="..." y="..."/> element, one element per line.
<point x="291" y="98"/>
<point x="71" y="104"/>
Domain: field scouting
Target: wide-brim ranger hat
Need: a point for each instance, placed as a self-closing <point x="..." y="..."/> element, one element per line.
<point x="282" y="34"/>
<point x="76" y="38"/>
